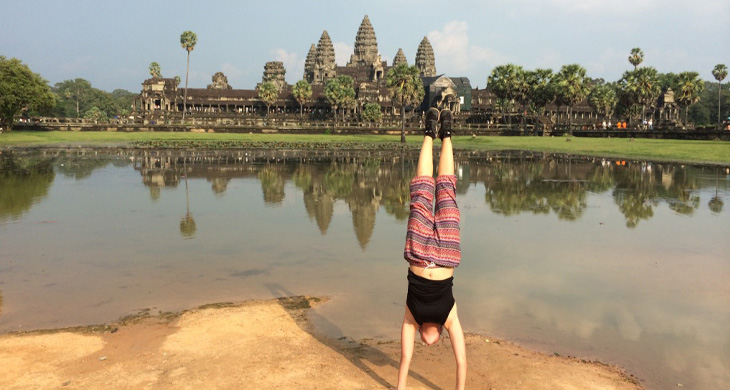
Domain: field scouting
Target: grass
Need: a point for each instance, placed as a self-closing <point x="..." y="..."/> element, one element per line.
<point x="709" y="152"/>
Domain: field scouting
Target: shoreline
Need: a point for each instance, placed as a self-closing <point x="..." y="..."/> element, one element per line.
<point x="270" y="344"/>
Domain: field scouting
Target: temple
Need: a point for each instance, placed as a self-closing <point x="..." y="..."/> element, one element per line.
<point x="161" y="99"/>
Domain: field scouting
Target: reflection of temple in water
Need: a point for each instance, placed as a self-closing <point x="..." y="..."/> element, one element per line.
<point x="367" y="180"/>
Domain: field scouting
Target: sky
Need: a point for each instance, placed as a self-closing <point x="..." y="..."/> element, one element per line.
<point x="112" y="43"/>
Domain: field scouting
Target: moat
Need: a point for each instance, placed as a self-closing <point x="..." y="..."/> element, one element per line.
<point x="625" y="262"/>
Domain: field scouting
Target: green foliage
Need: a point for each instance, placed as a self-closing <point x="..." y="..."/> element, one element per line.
<point x="603" y="99"/>
<point x="340" y="92"/>
<point x="572" y="87"/>
<point x="302" y="92"/>
<point x="268" y="94"/>
<point x="542" y="88"/>
<point x="636" y="57"/>
<point x="188" y="40"/>
<point x="21" y="89"/>
<point x="155" y="71"/>
<point x="76" y="97"/>
<point x="690" y="88"/>
<point x="639" y="87"/>
<point x="372" y="112"/>
<point x="95" y="114"/>
<point x="405" y="86"/>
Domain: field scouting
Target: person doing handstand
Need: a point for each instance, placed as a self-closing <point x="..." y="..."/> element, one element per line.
<point x="433" y="251"/>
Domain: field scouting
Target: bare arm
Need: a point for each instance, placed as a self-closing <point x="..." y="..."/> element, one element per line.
<point x="407" y="338"/>
<point x="456" y="334"/>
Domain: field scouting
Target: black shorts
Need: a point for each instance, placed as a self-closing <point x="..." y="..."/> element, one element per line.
<point x="430" y="300"/>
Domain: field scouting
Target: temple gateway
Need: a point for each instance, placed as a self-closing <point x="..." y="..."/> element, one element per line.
<point x="162" y="101"/>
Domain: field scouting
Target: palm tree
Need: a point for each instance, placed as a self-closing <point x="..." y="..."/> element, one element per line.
<point x="155" y="70"/>
<point x="603" y="99"/>
<point x="572" y="88"/>
<point x="503" y="82"/>
<point x="636" y="57"/>
<point x="302" y="91"/>
<point x="188" y="40"/>
<point x="689" y="89"/>
<point x="720" y="72"/>
<point x="406" y="87"/>
<point x="268" y="94"/>
<point x="340" y="93"/>
<point x="647" y="87"/>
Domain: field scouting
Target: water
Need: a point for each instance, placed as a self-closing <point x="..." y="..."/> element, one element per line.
<point x="626" y="262"/>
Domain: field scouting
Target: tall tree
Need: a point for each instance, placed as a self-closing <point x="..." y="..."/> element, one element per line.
<point x="406" y="87"/>
<point x="636" y="57"/>
<point x="188" y="40"/>
<point x="78" y="91"/>
<point x="640" y="86"/>
<point x="688" y="93"/>
<point x="603" y="99"/>
<point x="302" y="92"/>
<point x="542" y="90"/>
<point x="503" y="82"/>
<point x="268" y="94"/>
<point x="720" y="72"/>
<point x="21" y="89"/>
<point x="340" y="92"/>
<point x="572" y="88"/>
<point x="155" y="70"/>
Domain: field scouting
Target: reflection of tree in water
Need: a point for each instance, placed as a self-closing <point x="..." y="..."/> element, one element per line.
<point x="535" y="186"/>
<point x="272" y="184"/>
<point x="678" y="189"/>
<point x="715" y="204"/>
<point x="80" y="166"/>
<point x="635" y="193"/>
<point x="24" y="182"/>
<point x="187" y="222"/>
<point x="220" y="184"/>
<point x="339" y="179"/>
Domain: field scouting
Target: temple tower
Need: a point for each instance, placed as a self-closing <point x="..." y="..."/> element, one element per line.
<point x="220" y="81"/>
<point x="274" y="72"/>
<point x="400" y="58"/>
<point x="309" y="64"/>
<point x="425" y="60"/>
<point x="366" y="46"/>
<point x="324" y="60"/>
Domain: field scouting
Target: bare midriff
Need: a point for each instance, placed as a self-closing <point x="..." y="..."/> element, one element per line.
<point x="433" y="273"/>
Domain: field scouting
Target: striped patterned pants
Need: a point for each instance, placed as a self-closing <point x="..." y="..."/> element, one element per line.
<point x="433" y="236"/>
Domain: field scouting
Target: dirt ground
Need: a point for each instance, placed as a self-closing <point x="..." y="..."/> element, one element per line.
<point x="270" y="345"/>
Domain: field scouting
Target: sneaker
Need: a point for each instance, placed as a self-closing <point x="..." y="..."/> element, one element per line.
<point x="432" y="120"/>
<point x="445" y="117"/>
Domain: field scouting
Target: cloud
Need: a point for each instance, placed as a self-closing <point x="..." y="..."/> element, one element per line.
<point x="456" y="56"/>
<point x="232" y="72"/>
<point x="293" y="64"/>
<point x="342" y="52"/>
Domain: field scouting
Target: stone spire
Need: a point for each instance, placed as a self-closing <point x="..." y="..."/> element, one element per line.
<point x="309" y="63"/>
<point x="324" y="59"/>
<point x="400" y="58"/>
<point x="274" y="72"/>
<point x="425" y="60"/>
<point x="366" y="45"/>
